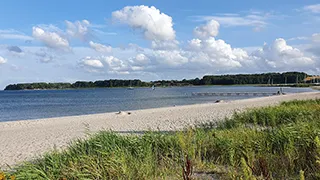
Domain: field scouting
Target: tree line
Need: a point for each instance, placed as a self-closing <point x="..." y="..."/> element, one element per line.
<point x="79" y="84"/>
<point x="265" y="78"/>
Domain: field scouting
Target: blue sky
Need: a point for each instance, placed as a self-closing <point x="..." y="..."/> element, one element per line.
<point x="80" y="40"/>
<point x="22" y="15"/>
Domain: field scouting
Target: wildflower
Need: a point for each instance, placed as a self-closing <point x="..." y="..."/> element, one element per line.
<point x="2" y="176"/>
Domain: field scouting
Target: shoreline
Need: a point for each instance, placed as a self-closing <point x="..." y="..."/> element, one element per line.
<point x="25" y="139"/>
<point x="133" y="110"/>
<point x="137" y="87"/>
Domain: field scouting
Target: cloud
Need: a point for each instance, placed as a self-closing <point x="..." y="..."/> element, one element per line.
<point x="235" y="20"/>
<point x="165" y="45"/>
<point x="315" y="8"/>
<point x="14" y="35"/>
<point x="14" y="67"/>
<point x="221" y="57"/>
<point x="134" y="47"/>
<point x="15" y="49"/>
<point x="79" y="29"/>
<point x="170" y="58"/>
<point x="257" y="20"/>
<point x="298" y="38"/>
<point x="103" y="33"/>
<point x="216" y="53"/>
<point x="116" y="65"/>
<point x="211" y="29"/>
<point x="314" y="46"/>
<point x="105" y="64"/>
<point x="100" y="47"/>
<point x="281" y="57"/>
<point x="209" y="52"/>
<point x="316" y="37"/>
<point x="45" y="56"/>
<point x="166" y="56"/>
<point x="2" y="60"/>
<point x="51" y="28"/>
<point x="91" y="62"/>
<point x="51" y="39"/>
<point x="154" y="24"/>
<point x="139" y="60"/>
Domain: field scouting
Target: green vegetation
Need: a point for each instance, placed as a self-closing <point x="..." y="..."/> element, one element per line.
<point x="267" y="78"/>
<point x="38" y="86"/>
<point x="302" y="85"/>
<point x="79" y="84"/>
<point x="280" y="142"/>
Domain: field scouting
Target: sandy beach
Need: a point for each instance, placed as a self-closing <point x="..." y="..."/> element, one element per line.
<point x="24" y="140"/>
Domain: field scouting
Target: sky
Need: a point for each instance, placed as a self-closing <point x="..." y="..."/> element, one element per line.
<point x="67" y="41"/>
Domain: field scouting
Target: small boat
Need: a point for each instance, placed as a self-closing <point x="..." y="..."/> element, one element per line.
<point x="130" y="88"/>
<point x="153" y="88"/>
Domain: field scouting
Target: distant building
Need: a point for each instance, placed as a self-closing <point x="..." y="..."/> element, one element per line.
<point x="312" y="79"/>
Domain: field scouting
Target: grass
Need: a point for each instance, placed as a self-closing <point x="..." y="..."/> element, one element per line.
<point x="280" y="142"/>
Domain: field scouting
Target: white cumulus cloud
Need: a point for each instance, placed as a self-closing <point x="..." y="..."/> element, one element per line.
<point x="209" y="52"/>
<point x="105" y="64"/>
<point x="2" y="60"/>
<point x="282" y="57"/>
<point x="79" y="29"/>
<point x="50" y="39"/>
<point x="170" y="58"/>
<point x="115" y="65"/>
<point x="217" y="54"/>
<point x="165" y="45"/>
<point x="92" y="62"/>
<point x="139" y="60"/>
<point x="211" y="29"/>
<point x="154" y="24"/>
<point x="205" y="53"/>
<point x="100" y="47"/>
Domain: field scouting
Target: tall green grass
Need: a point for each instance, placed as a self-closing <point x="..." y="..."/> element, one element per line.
<point x="280" y="142"/>
<point x="273" y="116"/>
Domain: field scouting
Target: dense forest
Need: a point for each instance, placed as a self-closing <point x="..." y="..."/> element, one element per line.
<point x="266" y="78"/>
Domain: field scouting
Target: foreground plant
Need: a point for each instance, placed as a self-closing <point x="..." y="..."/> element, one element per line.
<point x="4" y="176"/>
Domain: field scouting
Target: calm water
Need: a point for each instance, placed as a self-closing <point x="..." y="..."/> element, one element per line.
<point x="21" y="105"/>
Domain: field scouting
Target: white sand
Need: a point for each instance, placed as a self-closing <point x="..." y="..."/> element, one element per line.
<point x="23" y="140"/>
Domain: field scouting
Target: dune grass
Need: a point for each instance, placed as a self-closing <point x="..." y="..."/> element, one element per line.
<point x="280" y="142"/>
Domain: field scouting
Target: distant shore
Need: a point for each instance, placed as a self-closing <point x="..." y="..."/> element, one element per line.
<point x="23" y="140"/>
<point x="254" y="85"/>
<point x="231" y="79"/>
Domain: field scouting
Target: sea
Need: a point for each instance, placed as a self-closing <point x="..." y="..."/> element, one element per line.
<point x="36" y="104"/>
